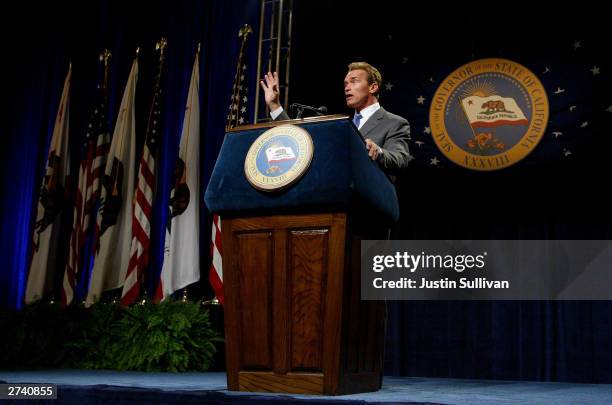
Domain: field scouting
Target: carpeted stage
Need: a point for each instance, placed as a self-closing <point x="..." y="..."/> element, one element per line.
<point x="80" y="387"/>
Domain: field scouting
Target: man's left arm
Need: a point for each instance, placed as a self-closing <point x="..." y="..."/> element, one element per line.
<point x="395" y="151"/>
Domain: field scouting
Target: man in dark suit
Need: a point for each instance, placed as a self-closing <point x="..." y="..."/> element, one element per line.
<point x="386" y="134"/>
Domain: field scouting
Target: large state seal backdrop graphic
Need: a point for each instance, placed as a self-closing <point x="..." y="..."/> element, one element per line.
<point x="489" y="114"/>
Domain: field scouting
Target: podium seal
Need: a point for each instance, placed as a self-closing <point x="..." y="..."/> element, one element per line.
<point x="278" y="158"/>
<point x="489" y="114"/>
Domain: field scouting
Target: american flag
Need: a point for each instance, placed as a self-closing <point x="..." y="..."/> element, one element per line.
<point x="236" y="116"/>
<point x="96" y="147"/>
<point x="216" y="267"/>
<point x="143" y="200"/>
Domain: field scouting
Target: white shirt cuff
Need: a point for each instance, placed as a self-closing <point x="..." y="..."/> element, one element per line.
<point x="274" y="114"/>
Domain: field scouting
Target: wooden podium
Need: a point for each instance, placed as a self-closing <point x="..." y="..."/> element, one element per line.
<point x="294" y="320"/>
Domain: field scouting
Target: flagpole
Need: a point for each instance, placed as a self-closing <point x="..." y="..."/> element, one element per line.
<point x="215" y="301"/>
<point x="105" y="56"/>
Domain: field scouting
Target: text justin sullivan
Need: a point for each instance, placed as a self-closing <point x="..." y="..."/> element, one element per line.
<point x="476" y="283"/>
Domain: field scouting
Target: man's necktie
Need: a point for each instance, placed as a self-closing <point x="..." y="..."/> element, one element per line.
<point x="357" y="120"/>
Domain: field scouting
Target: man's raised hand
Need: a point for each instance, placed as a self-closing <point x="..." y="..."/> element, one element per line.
<point x="271" y="91"/>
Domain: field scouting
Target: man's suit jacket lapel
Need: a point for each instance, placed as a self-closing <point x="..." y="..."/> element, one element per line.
<point x="372" y="122"/>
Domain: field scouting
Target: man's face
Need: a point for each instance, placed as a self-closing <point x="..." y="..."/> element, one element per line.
<point x="357" y="91"/>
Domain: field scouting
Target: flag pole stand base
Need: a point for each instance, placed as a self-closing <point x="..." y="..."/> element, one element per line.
<point x="213" y="302"/>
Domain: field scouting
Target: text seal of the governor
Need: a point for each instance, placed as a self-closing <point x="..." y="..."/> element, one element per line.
<point x="489" y="114"/>
<point x="278" y="158"/>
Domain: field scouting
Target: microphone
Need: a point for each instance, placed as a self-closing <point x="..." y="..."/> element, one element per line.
<point x="301" y="107"/>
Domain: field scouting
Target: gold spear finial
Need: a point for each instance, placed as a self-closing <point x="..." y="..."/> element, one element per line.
<point x="245" y="30"/>
<point x="161" y="46"/>
<point x="105" y="56"/>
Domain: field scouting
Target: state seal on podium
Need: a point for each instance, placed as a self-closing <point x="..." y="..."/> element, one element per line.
<point x="278" y="158"/>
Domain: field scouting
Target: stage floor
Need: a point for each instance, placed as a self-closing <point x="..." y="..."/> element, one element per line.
<point x="133" y="387"/>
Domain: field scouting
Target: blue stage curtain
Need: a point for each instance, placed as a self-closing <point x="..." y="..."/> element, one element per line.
<point x="76" y="31"/>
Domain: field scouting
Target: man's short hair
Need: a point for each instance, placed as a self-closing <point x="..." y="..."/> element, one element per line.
<point x="374" y="75"/>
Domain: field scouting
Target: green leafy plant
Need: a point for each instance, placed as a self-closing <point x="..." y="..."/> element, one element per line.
<point x="171" y="336"/>
<point x="89" y="336"/>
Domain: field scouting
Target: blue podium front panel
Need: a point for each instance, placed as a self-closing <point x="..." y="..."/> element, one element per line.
<point x="340" y="177"/>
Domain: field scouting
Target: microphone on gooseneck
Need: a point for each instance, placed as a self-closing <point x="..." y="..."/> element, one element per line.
<point x="302" y="107"/>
